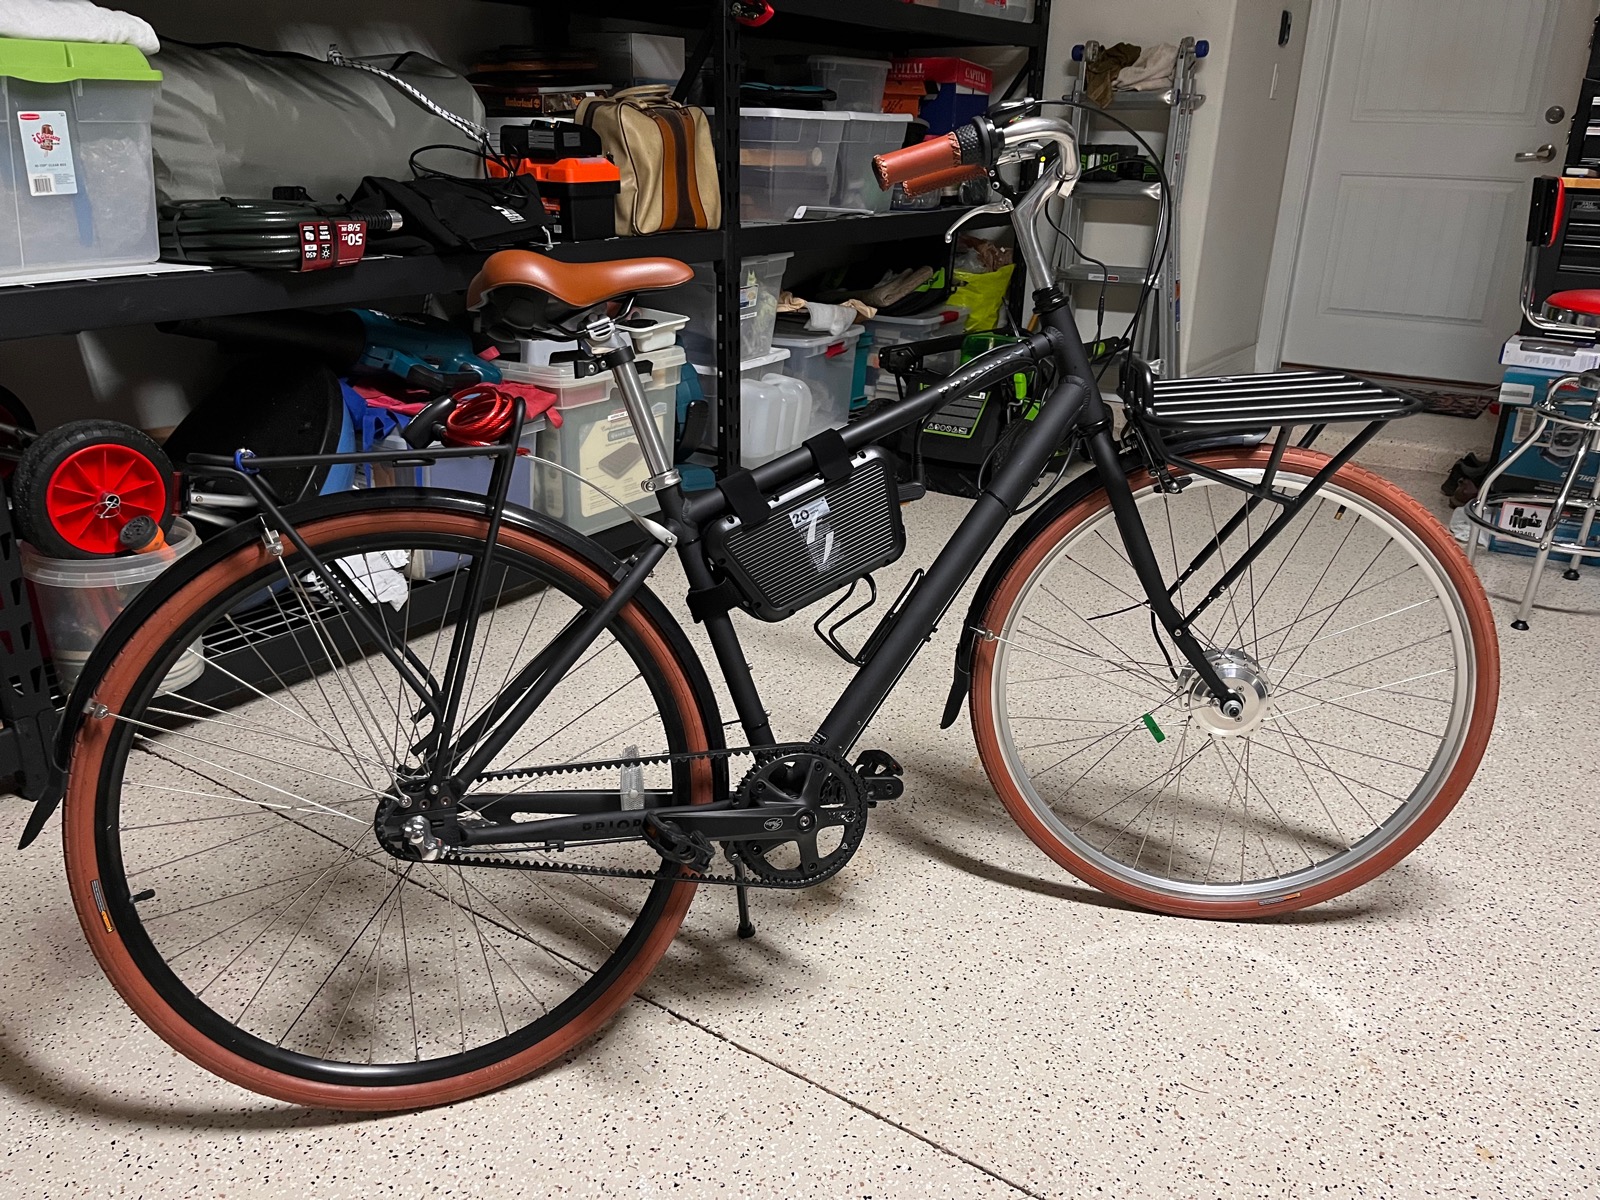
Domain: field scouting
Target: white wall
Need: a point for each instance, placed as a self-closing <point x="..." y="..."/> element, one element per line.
<point x="1238" y="144"/>
<point x="1234" y="248"/>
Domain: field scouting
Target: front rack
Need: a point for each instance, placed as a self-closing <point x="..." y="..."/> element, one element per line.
<point x="1260" y="401"/>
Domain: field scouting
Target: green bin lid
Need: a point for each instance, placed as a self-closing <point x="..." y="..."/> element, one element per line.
<point x="64" y="62"/>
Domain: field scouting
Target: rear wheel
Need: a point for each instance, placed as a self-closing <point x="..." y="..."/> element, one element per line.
<point x="1362" y="644"/>
<point x="220" y="841"/>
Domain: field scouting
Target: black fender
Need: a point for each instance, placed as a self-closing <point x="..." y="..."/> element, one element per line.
<point x="164" y="586"/>
<point x="1079" y="488"/>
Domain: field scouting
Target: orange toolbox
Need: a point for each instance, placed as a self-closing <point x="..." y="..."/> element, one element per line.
<point x="581" y="193"/>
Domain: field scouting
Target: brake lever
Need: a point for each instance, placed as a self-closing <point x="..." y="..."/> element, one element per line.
<point x="997" y="207"/>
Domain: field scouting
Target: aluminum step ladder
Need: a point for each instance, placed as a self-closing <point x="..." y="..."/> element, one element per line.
<point x="1158" y="342"/>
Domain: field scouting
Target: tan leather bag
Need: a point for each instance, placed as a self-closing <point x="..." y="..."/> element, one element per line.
<point x="664" y="152"/>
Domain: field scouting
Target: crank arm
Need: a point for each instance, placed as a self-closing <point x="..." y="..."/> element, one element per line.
<point x="714" y="822"/>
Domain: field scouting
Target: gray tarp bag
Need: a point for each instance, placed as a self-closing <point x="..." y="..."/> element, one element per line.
<point x="231" y="121"/>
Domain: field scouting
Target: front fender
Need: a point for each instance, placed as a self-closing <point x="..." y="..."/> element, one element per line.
<point x="379" y="499"/>
<point x="1082" y="486"/>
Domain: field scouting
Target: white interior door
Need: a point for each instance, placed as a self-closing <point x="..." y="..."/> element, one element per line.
<point x="1411" y="251"/>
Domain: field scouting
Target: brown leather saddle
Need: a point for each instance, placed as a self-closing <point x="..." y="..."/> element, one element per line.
<point x="522" y="294"/>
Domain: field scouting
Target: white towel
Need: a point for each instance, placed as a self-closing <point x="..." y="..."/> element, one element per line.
<point x="1152" y="72"/>
<point x="75" y="21"/>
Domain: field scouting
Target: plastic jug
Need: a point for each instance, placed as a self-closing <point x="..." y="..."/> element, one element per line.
<point x="795" y="405"/>
<point x="760" y="419"/>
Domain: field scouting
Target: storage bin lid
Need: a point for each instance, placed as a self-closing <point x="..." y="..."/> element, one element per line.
<point x="943" y="316"/>
<point x="769" y="359"/>
<point x="792" y="114"/>
<point x="66" y="62"/>
<point x="809" y="345"/>
<point x="565" y="375"/>
<point x="839" y="60"/>
<point x="852" y="114"/>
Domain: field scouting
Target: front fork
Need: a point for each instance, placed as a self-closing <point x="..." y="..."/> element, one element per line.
<point x="1141" y="556"/>
<point x="1095" y="428"/>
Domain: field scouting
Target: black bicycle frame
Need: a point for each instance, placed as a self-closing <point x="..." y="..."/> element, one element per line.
<point x="1073" y="408"/>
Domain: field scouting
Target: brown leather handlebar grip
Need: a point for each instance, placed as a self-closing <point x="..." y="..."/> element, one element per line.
<point x="923" y="184"/>
<point x="934" y="155"/>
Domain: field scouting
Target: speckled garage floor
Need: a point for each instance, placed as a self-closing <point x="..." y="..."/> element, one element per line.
<point x="954" y="1016"/>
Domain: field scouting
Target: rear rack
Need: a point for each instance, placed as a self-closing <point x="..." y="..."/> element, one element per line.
<point x="1260" y="401"/>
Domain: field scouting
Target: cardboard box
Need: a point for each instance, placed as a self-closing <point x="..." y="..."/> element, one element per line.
<point x="963" y="89"/>
<point x="1550" y="354"/>
<point x="1544" y="466"/>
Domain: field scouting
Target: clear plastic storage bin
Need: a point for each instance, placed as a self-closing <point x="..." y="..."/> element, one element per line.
<point x="77" y="599"/>
<point x="77" y="184"/>
<point x="788" y="158"/>
<point x="775" y="410"/>
<point x="597" y="440"/>
<point x="866" y="134"/>
<point x="827" y="364"/>
<point x="750" y="368"/>
<point x="760" y="284"/>
<point x="856" y="82"/>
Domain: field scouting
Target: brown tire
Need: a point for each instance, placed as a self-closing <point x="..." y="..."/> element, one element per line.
<point x="121" y="936"/>
<point x="1476" y="668"/>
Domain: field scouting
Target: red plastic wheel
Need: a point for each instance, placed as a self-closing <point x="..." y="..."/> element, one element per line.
<point x="97" y="491"/>
<point x="78" y="485"/>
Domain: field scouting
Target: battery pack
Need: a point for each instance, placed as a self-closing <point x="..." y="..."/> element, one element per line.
<point x="816" y="538"/>
<point x="581" y="193"/>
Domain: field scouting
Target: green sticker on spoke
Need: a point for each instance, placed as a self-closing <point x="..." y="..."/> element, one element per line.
<point x="1155" y="730"/>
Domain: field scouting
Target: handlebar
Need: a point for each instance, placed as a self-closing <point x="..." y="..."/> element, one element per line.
<point x="936" y="156"/>
<point x="972" y="151"/>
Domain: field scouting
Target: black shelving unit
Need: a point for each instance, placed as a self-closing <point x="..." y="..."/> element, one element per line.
<point x="27" y="703"/>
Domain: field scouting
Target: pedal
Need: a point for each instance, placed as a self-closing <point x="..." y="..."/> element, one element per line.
<point x="880" y="775"/>
<point x="673" y="844"/>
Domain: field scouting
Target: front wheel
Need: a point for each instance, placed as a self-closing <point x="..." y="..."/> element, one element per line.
<point x="1361" y="642"/>
<point x="220" y="833"/>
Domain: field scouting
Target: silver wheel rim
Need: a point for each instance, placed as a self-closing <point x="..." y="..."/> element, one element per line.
<point x="1079" y="817"/>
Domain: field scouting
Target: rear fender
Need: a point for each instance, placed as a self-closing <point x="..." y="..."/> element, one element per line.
<point x="164" y="586"/>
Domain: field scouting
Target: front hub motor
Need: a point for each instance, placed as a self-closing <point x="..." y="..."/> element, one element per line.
<point x="1227" y="718"/>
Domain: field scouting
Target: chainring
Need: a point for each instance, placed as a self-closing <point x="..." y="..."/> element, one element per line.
<point x="836" y="803"/>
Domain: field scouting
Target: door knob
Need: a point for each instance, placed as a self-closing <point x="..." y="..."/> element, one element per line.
<point x="1543" y="154"/>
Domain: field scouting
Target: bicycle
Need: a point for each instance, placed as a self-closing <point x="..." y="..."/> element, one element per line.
<point x="426" y="846"/>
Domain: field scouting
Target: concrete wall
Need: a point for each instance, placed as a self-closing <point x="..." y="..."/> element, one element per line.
<point x="1239" y="141"/>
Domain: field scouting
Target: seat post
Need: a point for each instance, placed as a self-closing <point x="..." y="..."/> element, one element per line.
<point x="614" y="348"/>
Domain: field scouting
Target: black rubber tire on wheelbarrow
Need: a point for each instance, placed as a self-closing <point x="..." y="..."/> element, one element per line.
<point x="80" y="483"/>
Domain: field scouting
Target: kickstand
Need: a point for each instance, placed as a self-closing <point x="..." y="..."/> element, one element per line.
<point x="746" y="929"/>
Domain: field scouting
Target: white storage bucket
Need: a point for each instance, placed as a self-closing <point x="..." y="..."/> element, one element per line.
<point x="652" y="329"/>
<point x="78" y="598"/>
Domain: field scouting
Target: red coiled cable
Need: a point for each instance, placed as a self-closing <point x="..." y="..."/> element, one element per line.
<point x="481" y="417"/>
